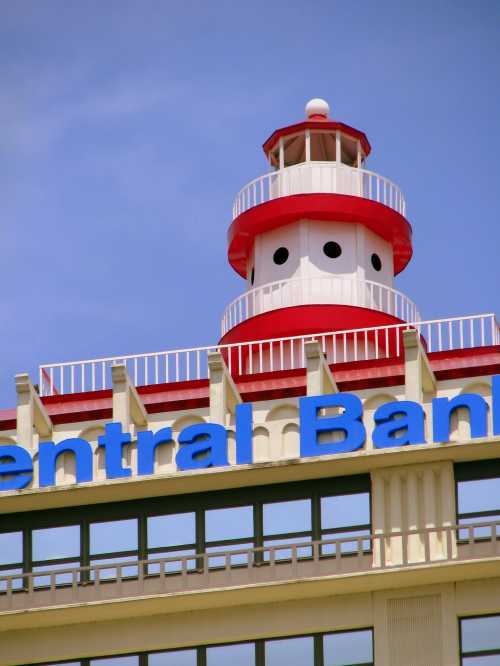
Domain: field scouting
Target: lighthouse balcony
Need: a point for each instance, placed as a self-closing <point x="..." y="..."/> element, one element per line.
<point x="331" y="290"/>
<point x="319" y="178"/>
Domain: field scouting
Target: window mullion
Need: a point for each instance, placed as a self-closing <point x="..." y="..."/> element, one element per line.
<point x="318" y="650"/>
<point x="201" y="656"/>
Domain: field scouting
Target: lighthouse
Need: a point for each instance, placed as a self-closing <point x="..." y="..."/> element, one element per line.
<point x="318" y="240"/>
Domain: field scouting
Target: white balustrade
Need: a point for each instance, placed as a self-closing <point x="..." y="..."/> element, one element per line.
<point x="331" y="289"/>
<point x="269" y="355"/>
<point x="319" y="178"/>
<point x="330" y="556"/>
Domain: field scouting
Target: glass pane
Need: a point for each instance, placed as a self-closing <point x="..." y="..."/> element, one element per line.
<point x="176" y="658"/>
<point x="54" y="543"/>
<point x="286" y="553"/>
<point x="479" y="532"/>
<point x="481" y="633"/>
<point x="113" y="536"/>
<point x="491" y="660"/>
<point x="479" y="495"/>
<point x="130" y="660"/>
<point x="173" y="565"/>
<point x="236" y="559"/>
<point x="349" y="543"/>
<point x="111" y="571"/>
<point x="348" y="647"/>
<point x="345" y="510"/>
<point x="11" y="547"/>
<point x="291" y="516"/>
<point x="242" y="654"/>
<point x="231" y="523"/>
<point x="290" y="651"/>
<point x="64" y="578"/>
<point x="172" y="530"/>
<point x="15" y="584"/>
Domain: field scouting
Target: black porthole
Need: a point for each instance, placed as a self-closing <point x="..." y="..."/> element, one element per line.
<point x="252" y="276"/>
<point x="280" y="256"/>
<point x="332" y="249"/>
<point x="376" y="262"/>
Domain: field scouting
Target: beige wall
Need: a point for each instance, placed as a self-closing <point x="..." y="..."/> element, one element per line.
<point x="413" y="627"/>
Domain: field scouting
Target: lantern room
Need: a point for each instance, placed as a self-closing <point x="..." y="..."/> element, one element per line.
<point x="317" y="139"/>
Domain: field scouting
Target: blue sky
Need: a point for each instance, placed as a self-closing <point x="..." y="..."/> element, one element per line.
<point x="126" y="128"/>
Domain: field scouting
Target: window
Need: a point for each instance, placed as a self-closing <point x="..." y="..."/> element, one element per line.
<point x="11" y="557"/>
<point x="55" y="548"/>
<point x="113" y="542"/>
<point x="290" y="651"/>
<point x="240" y="654"/>
<point x="170" y="531"/>
<point x="348" y="647"/>
<point x="345" y="517"/>
<point x="229" y="529"/>
<point x="173" y="658"/>
<point x="171" y="536"/>
<point x="286" y="523"/>
<point x="478" y="499"/>
<point x="480" y="640"/>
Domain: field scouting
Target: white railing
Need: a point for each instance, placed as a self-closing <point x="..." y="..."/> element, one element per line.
<point x="268" y="355"/>
<point x="331" y="289"/>
<point x="322" y="178"/>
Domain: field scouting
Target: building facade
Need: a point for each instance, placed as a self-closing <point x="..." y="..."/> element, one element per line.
<point x="319" y="488"/>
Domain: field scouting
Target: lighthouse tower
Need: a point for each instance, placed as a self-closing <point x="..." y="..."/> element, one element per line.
<point x="318" y="239"/>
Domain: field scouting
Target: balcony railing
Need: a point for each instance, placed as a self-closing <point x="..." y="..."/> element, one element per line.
<point x="332" y="289"/>
<point x="319" y="177"/>
<point x="250" y="566"/>
<point x="268" y="355"/>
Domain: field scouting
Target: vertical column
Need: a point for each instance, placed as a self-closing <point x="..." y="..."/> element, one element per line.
<point x="378" y="520"/>
<point x="396" y="517"/>
<point x="415" y="543"/>
<point x="448" y="509"/>
<point x="308" y="145"/>
<point x="431" y="538"/>
<point x="359" y="283"/>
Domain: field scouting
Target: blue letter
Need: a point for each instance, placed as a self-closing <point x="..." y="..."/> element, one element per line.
<point x="202" y="445"/>
<point x="495" y="402"/>
<point x="442" y="409"/>
<point x="243" y="420"/>
<point x="48" y="452"/>
<point x="146" y="446"/>
<point x="349" y="423"/>
<point x="18" y="463"/>
<point x="112" y="442"/>
<point x="410" y="420"/>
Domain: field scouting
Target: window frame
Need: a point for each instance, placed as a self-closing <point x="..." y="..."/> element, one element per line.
<point x="199" y="503"/>
<point x="201" y="650"/>
<point x="475" y="653"/>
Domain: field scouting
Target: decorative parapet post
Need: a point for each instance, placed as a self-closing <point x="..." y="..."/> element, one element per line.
<point x="128" y="407"/>
<point x="223" y="394"/>
<point x="419" y="376"/>
<point x="30" y="413"/>
<point x="319" y="377"/>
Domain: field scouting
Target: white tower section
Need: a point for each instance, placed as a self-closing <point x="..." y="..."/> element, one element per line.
<point x="340" y="257"/>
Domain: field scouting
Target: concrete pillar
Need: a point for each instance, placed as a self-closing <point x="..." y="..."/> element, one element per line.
<point x="31" y="414"/>
<point x="319" y="377"/>
<point x="419" y="376"/>
<point x="223" y="394"/>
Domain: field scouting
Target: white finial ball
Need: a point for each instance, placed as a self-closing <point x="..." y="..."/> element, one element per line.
<point x="317" y="107"/>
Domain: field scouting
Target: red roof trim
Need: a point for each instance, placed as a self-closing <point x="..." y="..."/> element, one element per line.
<point x="317" y="124"/>
<point x="354" y="376"/>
